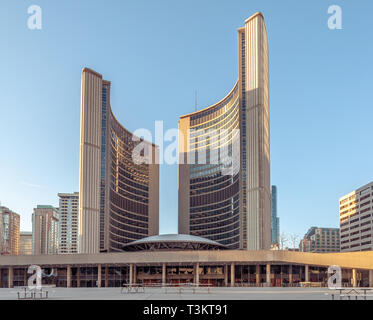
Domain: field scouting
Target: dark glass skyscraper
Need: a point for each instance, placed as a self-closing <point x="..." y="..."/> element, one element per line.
<point x="275" y="227"/>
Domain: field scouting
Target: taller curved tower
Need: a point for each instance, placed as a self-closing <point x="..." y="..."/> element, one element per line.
<point x="118" y="197"/>
<point x="232" y="206"/>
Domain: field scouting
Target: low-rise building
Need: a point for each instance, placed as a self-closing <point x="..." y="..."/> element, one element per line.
<point x="181" y="259"/>
<point x="320" y="240"/>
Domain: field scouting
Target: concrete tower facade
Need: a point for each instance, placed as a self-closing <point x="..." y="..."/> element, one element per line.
<point x="118" y="198"/>
<point x="233" y="209"/>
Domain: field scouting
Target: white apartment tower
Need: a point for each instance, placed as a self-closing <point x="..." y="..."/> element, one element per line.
<point x="69" y="215"/>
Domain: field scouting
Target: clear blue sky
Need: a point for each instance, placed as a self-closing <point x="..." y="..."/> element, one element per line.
<point x="157" y="53"/>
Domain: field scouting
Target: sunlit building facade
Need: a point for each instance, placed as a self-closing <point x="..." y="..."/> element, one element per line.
<point x="25" y="243"/>
<point x="9" y="231"/>
<point x="118" y="197"/>
<point x="45" y="230"/>
<point x="356" y="219"/>
<point x="224" y="154"/>
<point x="195" y="262"/>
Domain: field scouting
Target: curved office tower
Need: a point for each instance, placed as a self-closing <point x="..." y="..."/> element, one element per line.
<point x="224" y="152"/>
<point x="118" y="198"/>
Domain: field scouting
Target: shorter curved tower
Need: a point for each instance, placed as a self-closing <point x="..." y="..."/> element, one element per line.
<point x="118" y="198"/>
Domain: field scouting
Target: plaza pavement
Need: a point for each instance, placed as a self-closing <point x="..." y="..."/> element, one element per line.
<point x="216" y="293"/>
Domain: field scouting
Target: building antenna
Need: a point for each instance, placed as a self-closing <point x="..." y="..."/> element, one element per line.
<point x="195" y="100"/>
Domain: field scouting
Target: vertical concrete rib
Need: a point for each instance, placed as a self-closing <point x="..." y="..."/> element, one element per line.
<point x="90" y="145"/>
<point x="258" y="144"/>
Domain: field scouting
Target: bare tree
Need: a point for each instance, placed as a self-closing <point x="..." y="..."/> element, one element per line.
<point x="294" y="240"/>
<point x="283" y="239"/>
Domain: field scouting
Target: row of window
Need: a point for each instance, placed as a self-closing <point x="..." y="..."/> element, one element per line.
<point x="214" y="206"/>
<point x="219" y="227"/>
<point x="216" y="215"/>
<point x="218" y="196"/>
<point x="128" y="205"/>
<point x="195" y="119"/>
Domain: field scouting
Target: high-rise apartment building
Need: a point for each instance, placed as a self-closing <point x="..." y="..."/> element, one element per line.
<point x="275" y="222"/>
<point x="356" y="219"/>
<point x="9" y="232"/>
<point x="118" y="196"/>
<point x="45" y="230"/>
<point x="68" y="220"/>
<point x="224" y="154"/>
<point x="25" y="243"/>
<point x="320" y="240"/>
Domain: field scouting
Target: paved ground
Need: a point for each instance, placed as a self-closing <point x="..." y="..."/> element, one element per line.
<point x="173" y="294"/>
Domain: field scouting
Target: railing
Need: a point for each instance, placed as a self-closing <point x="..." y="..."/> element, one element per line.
<point x="133" y="288"/>
<point x="180" y="287"/>
<point x="168" y="287"/>
<point x="286" y="285"/>
<point x="351" y="292"/>
<point x="33" y="293"/>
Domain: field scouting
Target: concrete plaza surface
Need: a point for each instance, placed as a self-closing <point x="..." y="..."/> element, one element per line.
<point x="216" y="293"/>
